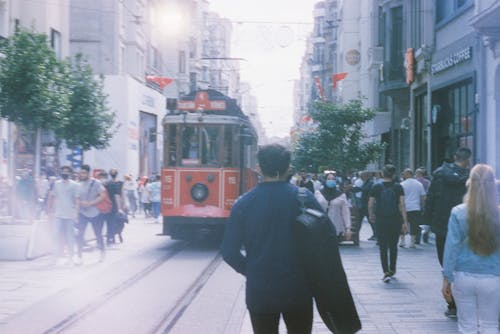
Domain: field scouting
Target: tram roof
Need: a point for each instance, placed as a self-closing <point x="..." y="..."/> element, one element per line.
<point x="232" y="108"/>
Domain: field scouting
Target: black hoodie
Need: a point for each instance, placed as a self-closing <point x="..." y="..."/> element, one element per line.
<point x="446" y="191"/>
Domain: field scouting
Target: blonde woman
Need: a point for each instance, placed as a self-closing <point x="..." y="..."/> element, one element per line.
<point x="471" y="265"/>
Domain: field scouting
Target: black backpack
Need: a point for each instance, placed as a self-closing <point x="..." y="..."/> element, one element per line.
<point x="388" y="205"/>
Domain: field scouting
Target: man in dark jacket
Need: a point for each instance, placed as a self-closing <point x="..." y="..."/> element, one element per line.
<point x="262" y="221"/>
<point x="446" y="191"/>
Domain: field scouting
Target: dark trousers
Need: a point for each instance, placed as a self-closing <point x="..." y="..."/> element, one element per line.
<point x="97" y="223"/>
<point x="297" y="322"/>
<point x="361" y="213"/>
<point x="440" y="242"/>
<point x="110" y="226"/>
<point x="387" y="237"/>
<point x="415" y="219"/>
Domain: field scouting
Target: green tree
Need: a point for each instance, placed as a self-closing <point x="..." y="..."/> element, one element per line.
<point x="338" y="141"/>
<point x="32" y="89"/>
<point x="89" y="122"/>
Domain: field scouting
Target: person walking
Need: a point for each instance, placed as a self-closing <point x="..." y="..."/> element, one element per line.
<point x="386" y="208"/>
<point x="471" y="262"/>
<point x="92" y="192"/>
<point x="145" y="197"/>
<point x="116" y="216"/>
<point x="154" y="189"/>
<point x="262" y="221"/>
<point x="130" y="188"/>
<point x="64" y="201"/>
<point x="362" y="187"/>
<point x="334" y="202"/>
<point x="414" y="202"/>
<point x="447" y="190"/>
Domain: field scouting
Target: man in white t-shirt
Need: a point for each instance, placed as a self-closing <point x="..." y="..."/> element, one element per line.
<point x="414" y="202"/>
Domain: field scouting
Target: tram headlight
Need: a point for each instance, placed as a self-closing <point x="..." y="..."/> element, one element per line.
<point x="199" y="192"/>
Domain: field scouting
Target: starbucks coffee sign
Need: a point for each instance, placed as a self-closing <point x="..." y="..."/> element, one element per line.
<point x="452" y="60"/>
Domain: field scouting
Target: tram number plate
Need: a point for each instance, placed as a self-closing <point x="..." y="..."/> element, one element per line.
<point x="231" y="180"/>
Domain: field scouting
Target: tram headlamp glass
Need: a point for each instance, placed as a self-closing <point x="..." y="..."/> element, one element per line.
<point x="199" y="192"/>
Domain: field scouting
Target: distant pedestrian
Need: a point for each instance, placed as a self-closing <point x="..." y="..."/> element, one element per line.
<point x="154" y="189"/>
<point x="471" y="264"/>
<point x="316" y="183"/>
<point x="130" y="188"/>
<point x="306" y="181"/>
<point x="92" y="192"/>
<point x="262" y="222"/>
<point x="64" y="201"/>
<point x="414" y="202"/>
<point x="363" y="186"/>
<point x="334" y="202"/>
<point x="145" y="197"/>
<point x="116" y="217"/>
<point x="386" y="208"/>
<point x="447" y="190"/>
<point x="421" y="176"/>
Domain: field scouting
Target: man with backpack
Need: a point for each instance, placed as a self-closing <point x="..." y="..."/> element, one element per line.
<point x="386" y="208"/>
<point x="92" y="192"/>
<point x="446" y="191"/>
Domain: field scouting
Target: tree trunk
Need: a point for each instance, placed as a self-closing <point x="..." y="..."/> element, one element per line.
<point x="38" y="153"/>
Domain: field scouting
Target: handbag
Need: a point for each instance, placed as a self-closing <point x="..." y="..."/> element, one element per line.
<point x="318" y="254"/>
<point x="105" y="205"/>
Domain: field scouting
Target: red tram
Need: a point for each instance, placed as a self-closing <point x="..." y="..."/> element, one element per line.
<point x="209" y="160"/>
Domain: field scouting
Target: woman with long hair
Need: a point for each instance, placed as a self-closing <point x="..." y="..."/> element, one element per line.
<point x="471" y="264"/>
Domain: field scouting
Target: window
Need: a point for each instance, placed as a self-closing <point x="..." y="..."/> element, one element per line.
<point x="192" y="48"/>
<point x="396" y="52"/>
<point x="55" y="42"/>
<point x="416" y="23"/>
<point x="447" y="10"/>
<point x="381" y="27"/>
<point x="193" y="85"/>
<point x="172" y="145"/>
<point x="182" y="61"/>
<point x="230" y="140"/>
<point x="319" y="26"/>
<point x="201" y="145"/>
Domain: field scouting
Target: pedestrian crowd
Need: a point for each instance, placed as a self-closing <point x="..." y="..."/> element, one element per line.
<point x="100" y="199"/>
<point x="456" y="204"/>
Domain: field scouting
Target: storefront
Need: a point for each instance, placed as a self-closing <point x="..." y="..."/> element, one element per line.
<point x="453" y="107"/>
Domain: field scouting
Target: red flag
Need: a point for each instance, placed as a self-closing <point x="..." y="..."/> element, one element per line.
<point x="337" y="77"/>
<point x="161" y="81"/>
<point x="320" y="89"/>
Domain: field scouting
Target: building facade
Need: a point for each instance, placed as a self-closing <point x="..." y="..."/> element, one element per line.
<point x="486" y="24"/>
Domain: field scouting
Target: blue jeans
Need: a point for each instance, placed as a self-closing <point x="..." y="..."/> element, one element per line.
<point x="156" y="209"/>
<point x="65" y="235"/>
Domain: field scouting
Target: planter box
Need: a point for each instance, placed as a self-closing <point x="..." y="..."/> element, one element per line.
<point x="23" y="240"/>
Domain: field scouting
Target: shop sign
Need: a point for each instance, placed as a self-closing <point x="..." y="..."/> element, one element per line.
<point x="201" y="102"/>
<point x="148" y="101"/>
<point x="352" y="57"/>
<point x="452" y="60"/>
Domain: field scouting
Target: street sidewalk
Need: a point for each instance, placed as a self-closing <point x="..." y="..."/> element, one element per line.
<point x="410" y="304"/>
<point x="25" y="283"/>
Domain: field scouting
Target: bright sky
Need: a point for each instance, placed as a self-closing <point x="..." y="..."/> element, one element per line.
<point x="273" y="52"/>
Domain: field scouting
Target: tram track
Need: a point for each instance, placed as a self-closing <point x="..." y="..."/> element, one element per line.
<point x="70" y="321"/>
<point x="85" y="316"/>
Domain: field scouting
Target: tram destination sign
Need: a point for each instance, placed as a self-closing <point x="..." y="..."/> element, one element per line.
<point x="201" y="102"/>
<point x="452" y="60"/>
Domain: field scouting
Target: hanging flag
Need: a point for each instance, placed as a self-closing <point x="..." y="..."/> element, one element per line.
<point x="160" y="81"/>
<point x="319" y="88"/>
<point x="338" y="77"/>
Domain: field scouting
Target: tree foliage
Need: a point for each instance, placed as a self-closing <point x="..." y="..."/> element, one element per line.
<point x="32" y="89"/>
<point x="338" y="142"/>
<point x="38" y="91"/>
<point x="89" y="123"/>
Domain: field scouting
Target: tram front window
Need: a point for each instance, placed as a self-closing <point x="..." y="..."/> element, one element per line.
<point x="201" y="145"/>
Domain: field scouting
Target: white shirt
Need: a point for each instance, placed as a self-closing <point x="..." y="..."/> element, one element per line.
<point x="413" y="191"/>
<point x="358" y="183"/>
